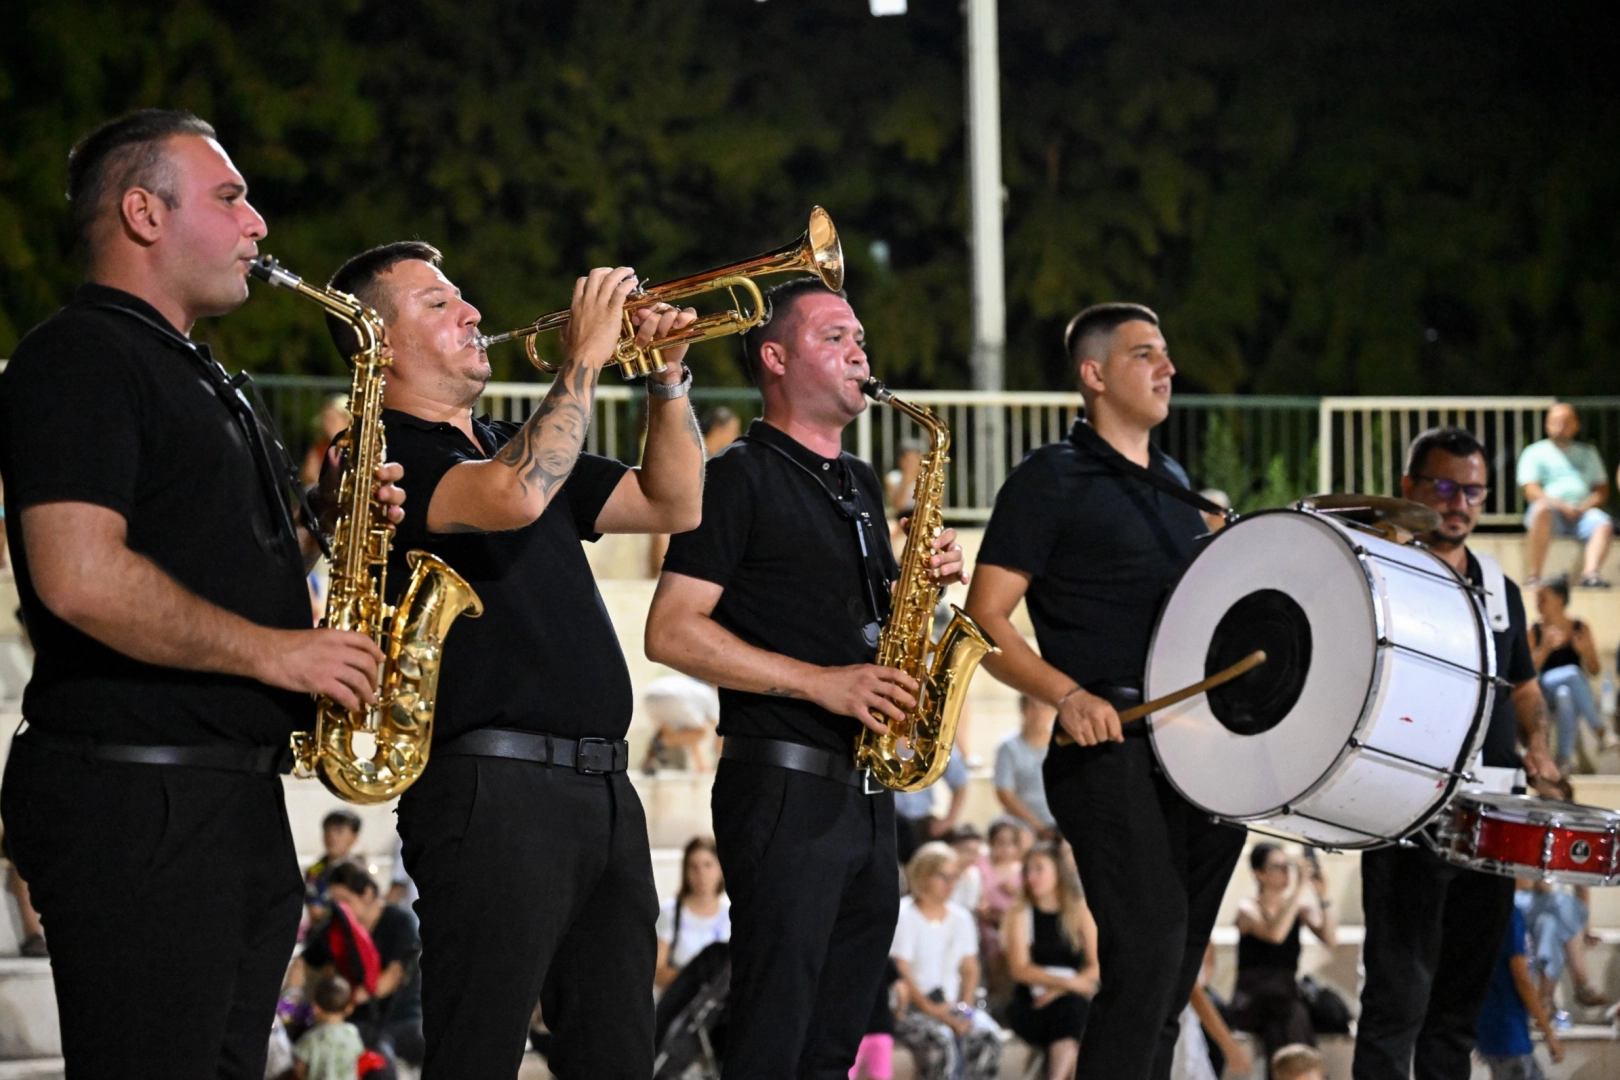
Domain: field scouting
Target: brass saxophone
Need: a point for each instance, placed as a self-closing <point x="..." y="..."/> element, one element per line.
<point x="399" y="728"/>
<point x="915" y="751"/>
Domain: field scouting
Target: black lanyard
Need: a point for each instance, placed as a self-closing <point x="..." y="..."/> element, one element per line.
<point x="850" y="509"/>
<point x="271" y="461"/>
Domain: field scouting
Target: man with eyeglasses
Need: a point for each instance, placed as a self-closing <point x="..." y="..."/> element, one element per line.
<point x="1431" y="925"/>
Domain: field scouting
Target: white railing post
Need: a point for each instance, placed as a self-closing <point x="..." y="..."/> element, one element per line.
<point x="863" y="436"/>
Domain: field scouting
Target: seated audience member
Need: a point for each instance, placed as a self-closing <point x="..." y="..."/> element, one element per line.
<point x="697" y="916"/>
<point x="1050" y="940"/>
<point x="1565" y="485"/>
<point x="936" y="950"/>
<point x="1206" y="1045"/>
<point x="1557" y="918"/>
<point x="332" y="421"/>
<point x="340" y="831"/>
<point x="401" y="889"/>
<point x="914" y="820"/>
<point x="338" y="941"/>
<point x="1291" y="893"/>
<point x="1566" y="656"/>
<point x="972" y="868"/>
<point x="874" y="1060"/>
<point x="1298" y="1062"/>
<point x="684" y="713"/>
<point x="391" y="1021"/>
<point x="1502" y="1032"/>
<point x="331" y="1049"/>
<point x="1010" y="840"/>
<point x="1019" y="784"/>
<point x="900" y="485"/>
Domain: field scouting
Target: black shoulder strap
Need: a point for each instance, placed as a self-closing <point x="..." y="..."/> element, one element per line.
<point x="1121" y="464"/>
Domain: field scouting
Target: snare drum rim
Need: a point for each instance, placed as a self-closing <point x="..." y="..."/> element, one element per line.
<point x="1537" y="813"/>
<point x="1381" y="646"/>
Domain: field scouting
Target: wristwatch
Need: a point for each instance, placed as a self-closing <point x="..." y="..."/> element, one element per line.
<point x="669" y="392"/>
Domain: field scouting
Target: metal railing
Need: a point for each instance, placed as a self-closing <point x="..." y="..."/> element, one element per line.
<point x="1262" y="451"/>
<point x="1364" y="442"/>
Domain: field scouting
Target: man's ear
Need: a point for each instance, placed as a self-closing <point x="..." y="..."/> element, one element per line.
<point x="1091" y="376"/>
<point x="143" y="215"/>
<point x="773" y="358"/>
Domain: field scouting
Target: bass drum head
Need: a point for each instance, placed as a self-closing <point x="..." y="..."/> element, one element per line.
<point x="1288" y="583"/>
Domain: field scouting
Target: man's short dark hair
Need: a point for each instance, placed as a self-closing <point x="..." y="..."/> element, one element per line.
<point x="1090" y="333"/>
<point x="126" y="153"/>
<point x="361" y="276"/>
<point x="714" y="417"/>
<point x="780" y="301"/>
<point x="353" y="876"/>
<point x="331" y="993"/>
<point x="346" y="818"/>
<point x="1452" y="440"/>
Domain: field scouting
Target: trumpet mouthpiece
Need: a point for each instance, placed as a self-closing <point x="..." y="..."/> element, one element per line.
<point x="483" y="342"/>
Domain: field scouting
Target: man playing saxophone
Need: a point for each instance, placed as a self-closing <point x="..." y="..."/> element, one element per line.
<point x="778" y="598"/>
<point x="163" y="589"/>
<point x="524" y="835"/>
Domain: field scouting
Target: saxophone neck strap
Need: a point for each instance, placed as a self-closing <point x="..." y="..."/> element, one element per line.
<point x="274" y="466"/>
<point x="875" y="581"/>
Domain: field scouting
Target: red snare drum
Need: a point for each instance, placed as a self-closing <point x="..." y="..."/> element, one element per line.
<point x="1523" y="836"/>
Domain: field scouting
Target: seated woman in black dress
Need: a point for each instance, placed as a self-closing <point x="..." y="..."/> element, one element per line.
<point x="1050" y="941"/>
<point x="1292" y="892"/>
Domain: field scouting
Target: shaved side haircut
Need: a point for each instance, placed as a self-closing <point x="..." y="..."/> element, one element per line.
<point x="780" y="301"/>
<point x="129" y="152"/>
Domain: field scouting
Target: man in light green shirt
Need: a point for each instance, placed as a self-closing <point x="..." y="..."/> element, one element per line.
<point x="1565" y="486"/>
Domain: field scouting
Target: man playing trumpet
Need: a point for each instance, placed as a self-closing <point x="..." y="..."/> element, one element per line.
<point x="524" y="835"/>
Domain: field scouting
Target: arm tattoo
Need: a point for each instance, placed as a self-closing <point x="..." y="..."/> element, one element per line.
<point x="544" y="451"/>
<point x="782" y="692"/>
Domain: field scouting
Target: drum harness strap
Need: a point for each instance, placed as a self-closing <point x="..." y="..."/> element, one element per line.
<point x="1495" y="582"/>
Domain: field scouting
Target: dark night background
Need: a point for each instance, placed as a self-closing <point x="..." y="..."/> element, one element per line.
<point x="1368" y="196"/>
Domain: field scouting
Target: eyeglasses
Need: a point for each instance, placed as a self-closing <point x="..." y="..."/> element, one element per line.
<point x="1473" y="494"/>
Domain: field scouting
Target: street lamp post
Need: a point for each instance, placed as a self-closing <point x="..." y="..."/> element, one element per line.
<point x="985" y="238"/>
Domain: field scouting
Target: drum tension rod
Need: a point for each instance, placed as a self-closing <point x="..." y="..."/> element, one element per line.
<point x="1453" y="774"/>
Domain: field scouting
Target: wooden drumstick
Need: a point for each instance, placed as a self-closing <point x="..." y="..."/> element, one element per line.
<point x="1220" y="678"/>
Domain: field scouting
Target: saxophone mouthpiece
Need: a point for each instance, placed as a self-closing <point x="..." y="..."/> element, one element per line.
<point x="876" y="391"/>
<point x="265" y="268"/>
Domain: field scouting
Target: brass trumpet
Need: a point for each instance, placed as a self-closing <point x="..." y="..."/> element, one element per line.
<point x="817" y="251"/>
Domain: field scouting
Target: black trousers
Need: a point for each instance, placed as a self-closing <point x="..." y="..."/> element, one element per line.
<point x="171" y="896"/>
<point x="1154" y="870"/>
<point x="1433" y="934"/>
<point x="815" y="892"/>
<point x="535" y="883"/>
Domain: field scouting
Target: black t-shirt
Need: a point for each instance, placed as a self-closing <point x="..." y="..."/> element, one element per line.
<point x="1514" y="664"/>
<point x="1565" y="655"/>
<point x="791" y="567"/>
<point x="1102" y="549"/>
<point x="100" y="407"/>
<point x="544" y="656"/>
<point x="396" y="939"/>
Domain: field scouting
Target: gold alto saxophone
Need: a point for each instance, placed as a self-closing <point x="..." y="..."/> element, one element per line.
<point x="399" y="728"/>
<point x="914" y="751"/>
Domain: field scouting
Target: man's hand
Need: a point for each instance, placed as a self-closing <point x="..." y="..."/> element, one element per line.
<point x="1538" y="766"/>
<point x="596" y="316"/>
<point x="1089" y="719"/>
<point x="1555" y="1049"/>
<point x="859" y="690"/>
<point x="662" y="320"/>
<point x="341" y="664"/>
<point x="1240" y="1061"/>
<point x="1573" y="513"/>
<point x="948" y="564"/>
<point x="324" y="499"/>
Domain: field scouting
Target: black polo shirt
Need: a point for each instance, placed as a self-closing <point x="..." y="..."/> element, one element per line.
<point x="100" y="407"/>
<point x="1102" y="550"/>
<point x="543" y="657"/>
<point x="792" y="571"/>
<point x="1513" y="663"/>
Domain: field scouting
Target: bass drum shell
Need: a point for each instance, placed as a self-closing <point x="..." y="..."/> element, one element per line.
<point x="1392" y="706"/>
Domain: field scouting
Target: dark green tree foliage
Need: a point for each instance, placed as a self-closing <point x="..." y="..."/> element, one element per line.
<point x="1372" y="196"/>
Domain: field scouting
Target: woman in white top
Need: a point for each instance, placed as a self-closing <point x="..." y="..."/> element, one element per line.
<point x="697" y="917"/>
<point x="936" y="948"/>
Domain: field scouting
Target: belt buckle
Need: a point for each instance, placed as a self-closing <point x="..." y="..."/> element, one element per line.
<point x="583" y="747"/>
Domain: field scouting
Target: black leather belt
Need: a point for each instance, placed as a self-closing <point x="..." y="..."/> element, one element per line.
<point x="589" y="756"/>
<point x="266" y="760"/>
<point x="796" y="756"/>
